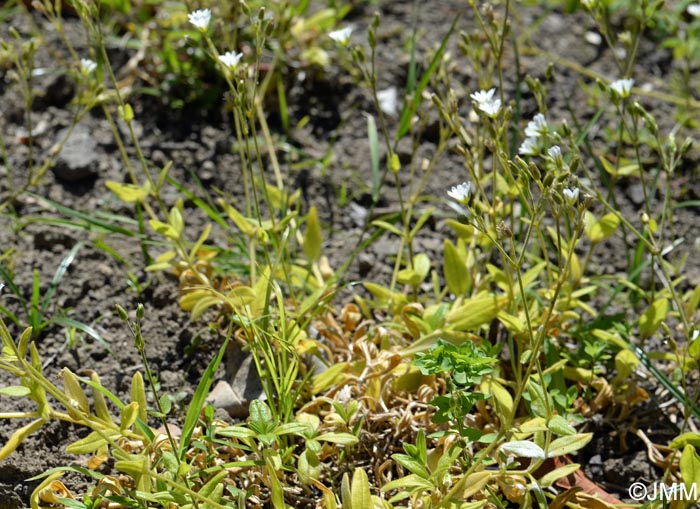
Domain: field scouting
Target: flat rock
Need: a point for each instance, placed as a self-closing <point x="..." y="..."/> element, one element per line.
<point x="79" y="159"/>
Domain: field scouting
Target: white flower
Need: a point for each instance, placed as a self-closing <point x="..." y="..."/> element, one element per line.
<point x="460" y="192"/>
<point x="485" y="102"/>
<point x="529" y="147"/>
<point x="536" y="127"/>
<point x="571" y="196"/>
<point x="231" y="59"/>
<point x="200" y="18"/>
<point x="554" y="152"/>
<point x="87" y="65"/>
<point x="589" y="4"/>
<point x="693" y="10"/>
<point x="693" y="336"/>
<point x="341" y="36"/>
<point x="622" y="87"/>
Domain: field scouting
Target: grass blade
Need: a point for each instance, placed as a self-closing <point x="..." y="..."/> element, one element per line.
<point x="58" y="276"/>
<point x="409" y="110"/>
<point x="373" y="155"/>
<point x="69" y="322"/>
<point x="198" y="399"/>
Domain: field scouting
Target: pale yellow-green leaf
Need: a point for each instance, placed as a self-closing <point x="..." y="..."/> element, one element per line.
<point x="15" y="391"/>
<point x="475" y="312"/>
<point x="72" y="389"/>
<point x="90" y="443"/>
<point x="210" y="489"/>
<point x="387" y="226"/>
<point x="597" y="230"/>
<point x="129" y="193"/>
<point x="611" y="338"/>
<point x="329" y="377"/>
<point x="176" y="221"/>
<point x="129" y="414"/>
<point x="313" y="239"/>
<point x="338" y="438"/>
<point x="98" y="400"/>
<point x="163" y="229"/>
<point x="475" y="483"/>
<point x="411" y="481"/>
<point x="651" y="319"/>
<point x="512" y="323"/>
<point x="690" y="469"/>
<point x="463" y="231"/>
<point x="501" y="397"/>
<point x="308" y="467"/>
<point x="200" y="241"/>
<point x="416" y="275"/>
<point x="138" y="395"/>
<point x="23" y="344"/>
<point x="455" y="270"/>
<point x="241" y="222"/>
<point x="625" y="363"/>
<point x="361" y="496"/>
<point x="561" y="426"/>
<point x="19" y="436"/>
<point x="568" y="444"/>
<point x="684" y="439"/>
<point x="553" y="476"/>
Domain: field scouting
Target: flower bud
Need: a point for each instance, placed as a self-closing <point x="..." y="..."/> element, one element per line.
<point x="139" y="312"/>
<point x="122" y="312"/>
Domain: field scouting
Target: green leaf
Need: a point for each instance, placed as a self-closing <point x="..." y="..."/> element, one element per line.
<point x="164" y="229"/>
<point x="198" y="399"/>
<point x="313" y="239"/>
<point x="416" y="275"/>
<point x="568" y="444"/>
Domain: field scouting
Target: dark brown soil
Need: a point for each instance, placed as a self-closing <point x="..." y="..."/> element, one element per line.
<point x="198" y="142"/>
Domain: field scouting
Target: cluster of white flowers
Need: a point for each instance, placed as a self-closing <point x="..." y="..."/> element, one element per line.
<point x="622" y="88"/>
<point x="460" y="192"/>
<point x="693" y="10"/>
<point x="341" y="36"/>
<point x="485" y="102"/>
<point x="537" y="128"/>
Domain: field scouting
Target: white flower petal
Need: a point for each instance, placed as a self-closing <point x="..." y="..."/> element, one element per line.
<point x="231" y="59"/>
<point x="341" y="36"/>
<point x="536" y="127"/>
<point x="529" y="147"/>
<point x="460" y="192"/>
<point x="622" y="87"/>
<point x="87" y="65"/>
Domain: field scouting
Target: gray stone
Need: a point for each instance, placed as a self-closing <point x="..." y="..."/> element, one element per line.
<point x="79" y="159"/>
